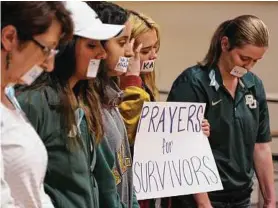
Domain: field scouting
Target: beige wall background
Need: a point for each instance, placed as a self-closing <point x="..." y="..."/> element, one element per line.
<point x="186" y="30"/>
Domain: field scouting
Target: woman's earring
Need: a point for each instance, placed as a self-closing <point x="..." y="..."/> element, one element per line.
<point x="8" y="60"/>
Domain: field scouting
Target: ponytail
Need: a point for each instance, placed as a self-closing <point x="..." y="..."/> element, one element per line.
<point x="214" y="51"/>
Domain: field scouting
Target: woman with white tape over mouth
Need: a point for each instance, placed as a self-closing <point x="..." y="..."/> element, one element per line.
<point x="140" y="80"/>
<point x="237" y="110"/>
<point x="30" y="32"/>
<point x="65" y="111"/>
<point x="119" y="50"/>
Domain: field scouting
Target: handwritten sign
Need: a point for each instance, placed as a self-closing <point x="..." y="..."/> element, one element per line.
<point x="172" y="156"/>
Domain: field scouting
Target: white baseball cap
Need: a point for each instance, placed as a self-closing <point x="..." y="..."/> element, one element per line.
<point x="88" y="25"/>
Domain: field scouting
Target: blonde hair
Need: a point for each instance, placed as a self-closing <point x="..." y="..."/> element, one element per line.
<point x="242" y="30"/>
<point x="142" y="24"/>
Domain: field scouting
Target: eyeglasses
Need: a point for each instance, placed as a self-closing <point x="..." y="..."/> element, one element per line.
<point x="48" y="52"/>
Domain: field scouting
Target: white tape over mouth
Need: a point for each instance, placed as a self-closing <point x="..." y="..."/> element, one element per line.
<point x="148" y="66"/>
<point x="238" y="71"/>
<point x="122" y="64"/>
<point x="93" y="67"/>
<point x="30" y="76"/>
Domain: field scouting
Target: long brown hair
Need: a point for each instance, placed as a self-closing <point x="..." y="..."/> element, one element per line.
<point x="89" y="101"/>
<point x="242" y="30"/>
<point x="32" y="18"/>
<point x="84" y="92"/>
<point x="141" y="24"/>
<point x="84" y="96"/>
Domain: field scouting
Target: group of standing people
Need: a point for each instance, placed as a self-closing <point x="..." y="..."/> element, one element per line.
<point x="73" y="83"/>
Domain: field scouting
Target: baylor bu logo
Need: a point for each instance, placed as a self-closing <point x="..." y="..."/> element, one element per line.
<point x="250" y="101"/>
<point x="124" y="162"/>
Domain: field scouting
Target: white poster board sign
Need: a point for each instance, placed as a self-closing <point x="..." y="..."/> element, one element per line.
<point x="172" y="156"/>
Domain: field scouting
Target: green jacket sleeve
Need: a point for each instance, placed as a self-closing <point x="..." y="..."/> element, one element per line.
<point x="134" y="199"/>
<point x="130" y="109"/>
<point x="31" y="103"/>
<point x="108" y="195"/>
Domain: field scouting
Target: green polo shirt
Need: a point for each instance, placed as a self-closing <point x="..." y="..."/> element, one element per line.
<point x="236" y="123"/>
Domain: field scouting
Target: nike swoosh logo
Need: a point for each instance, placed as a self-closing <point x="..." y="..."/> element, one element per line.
<point x="215" y="103"/>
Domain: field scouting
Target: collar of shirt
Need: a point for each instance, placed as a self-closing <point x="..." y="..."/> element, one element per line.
<point x="247" y="81"/>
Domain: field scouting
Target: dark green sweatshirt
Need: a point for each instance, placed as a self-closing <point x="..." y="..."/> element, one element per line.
<point x="75" y="178"/>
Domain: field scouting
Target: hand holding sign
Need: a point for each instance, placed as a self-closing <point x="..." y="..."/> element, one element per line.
<point x="206" y="127"/>
<point x="172" y="156"/>
<point x="134" y="62"/>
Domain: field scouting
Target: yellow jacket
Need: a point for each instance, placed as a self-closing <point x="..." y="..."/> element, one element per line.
<point x="130" y="109"/>
<point x="132" y="104"/>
